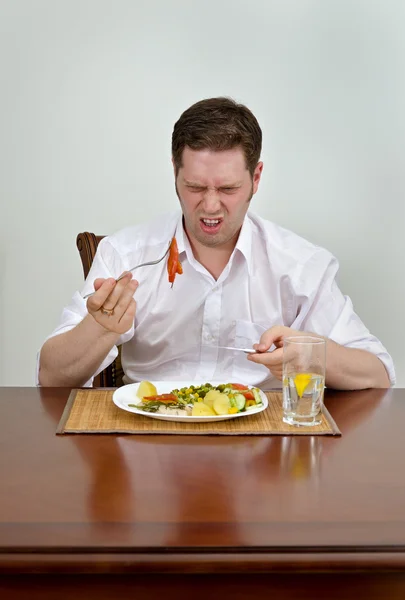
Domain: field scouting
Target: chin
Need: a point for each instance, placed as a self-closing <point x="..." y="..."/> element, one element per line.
<point x="207" y="240"/>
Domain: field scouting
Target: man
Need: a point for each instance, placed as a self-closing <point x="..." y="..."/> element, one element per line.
<point x="245" y="281"/>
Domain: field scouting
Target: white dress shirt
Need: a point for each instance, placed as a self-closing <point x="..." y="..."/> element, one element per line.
<point x="274" y="277"/>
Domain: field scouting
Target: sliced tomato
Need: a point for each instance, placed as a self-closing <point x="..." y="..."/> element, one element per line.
<point x="248" y="394"/>
<point x="238" y="386"/>
<point x="161" y="398"/>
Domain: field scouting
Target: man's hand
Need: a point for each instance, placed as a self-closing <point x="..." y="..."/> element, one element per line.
<point x="273" y="360"/>
<point x="113" y="305"/>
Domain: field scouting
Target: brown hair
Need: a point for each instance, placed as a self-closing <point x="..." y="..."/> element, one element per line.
<point x="218" y="124"/>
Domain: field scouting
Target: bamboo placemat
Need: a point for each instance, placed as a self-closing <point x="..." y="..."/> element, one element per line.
<point x="93" y="411"/>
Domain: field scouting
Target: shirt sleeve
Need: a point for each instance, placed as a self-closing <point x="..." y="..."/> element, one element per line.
<point x="324" y="310"/>
<point x="107" y="263"/>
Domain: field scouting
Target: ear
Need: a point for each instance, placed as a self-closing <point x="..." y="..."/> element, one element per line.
<point x="256" y="176"/>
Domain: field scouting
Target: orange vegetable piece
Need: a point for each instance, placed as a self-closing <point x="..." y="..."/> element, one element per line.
<point x="173" y="264"/>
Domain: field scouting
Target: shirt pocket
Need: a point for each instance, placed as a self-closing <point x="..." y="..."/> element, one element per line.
<point x="243" y="370"/>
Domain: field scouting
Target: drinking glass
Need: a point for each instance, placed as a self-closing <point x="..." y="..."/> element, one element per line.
<point x="304" y="359"/>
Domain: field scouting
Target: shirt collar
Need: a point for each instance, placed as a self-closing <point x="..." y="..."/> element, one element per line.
<point x="243" y="245"/>
<point x="180" y="235"/>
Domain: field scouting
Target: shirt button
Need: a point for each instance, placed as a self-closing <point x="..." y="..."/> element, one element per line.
<point x="208" y="338"/>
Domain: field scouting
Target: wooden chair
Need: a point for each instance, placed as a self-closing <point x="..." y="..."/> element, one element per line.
<point x="87" y="245"/>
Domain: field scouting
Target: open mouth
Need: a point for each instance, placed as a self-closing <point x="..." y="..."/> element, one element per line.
<point x="210" y="225"/>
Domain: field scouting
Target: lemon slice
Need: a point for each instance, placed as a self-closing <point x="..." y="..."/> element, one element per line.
<point x="301" y="382"/>
<point x="146" y="388"/>
<point x="202" y="410"/>
<point x="210" y="397"/>
<point x="221" y="404"/>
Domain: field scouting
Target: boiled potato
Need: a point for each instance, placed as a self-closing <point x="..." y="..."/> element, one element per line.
<point x="222" y="404"/>
<point x="202" y="410"/>
<point x="146" y="388"/>
<point x="210" y="397"/>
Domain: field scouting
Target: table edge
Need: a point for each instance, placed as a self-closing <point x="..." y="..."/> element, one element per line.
<point x="253" y="562"/>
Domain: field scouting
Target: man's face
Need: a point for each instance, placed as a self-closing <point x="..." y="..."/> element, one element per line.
<point x="214" y="189"/>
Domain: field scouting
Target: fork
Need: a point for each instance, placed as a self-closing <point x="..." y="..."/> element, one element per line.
<point x="146" y="264"/>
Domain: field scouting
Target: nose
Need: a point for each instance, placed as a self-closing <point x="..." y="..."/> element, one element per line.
<point x="211" y="201"/>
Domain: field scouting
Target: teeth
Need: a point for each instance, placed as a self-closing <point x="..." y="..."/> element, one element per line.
<point x="211" y="221"/>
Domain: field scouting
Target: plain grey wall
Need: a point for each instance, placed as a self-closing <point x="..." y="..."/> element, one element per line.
<point x="90" y="90"/>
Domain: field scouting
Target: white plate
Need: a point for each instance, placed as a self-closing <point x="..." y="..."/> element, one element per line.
<point x="127" y="395"/>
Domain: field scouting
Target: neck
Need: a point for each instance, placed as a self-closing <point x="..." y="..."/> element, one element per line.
<point x="213" y="258"/>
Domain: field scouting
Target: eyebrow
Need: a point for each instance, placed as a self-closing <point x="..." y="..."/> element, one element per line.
<point x="235" y="184"/>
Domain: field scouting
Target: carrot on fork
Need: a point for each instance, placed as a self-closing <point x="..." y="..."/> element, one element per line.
<point x="173" y="263"/>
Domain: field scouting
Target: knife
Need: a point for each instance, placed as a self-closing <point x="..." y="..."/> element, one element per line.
<point x="245" y="350"/>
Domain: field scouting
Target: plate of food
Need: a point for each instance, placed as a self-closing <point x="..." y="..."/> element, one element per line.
<point x="193" y="401"/>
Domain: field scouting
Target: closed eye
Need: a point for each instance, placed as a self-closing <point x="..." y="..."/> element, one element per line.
<point x="229" y="190"/>
<point x="193" y="188"/>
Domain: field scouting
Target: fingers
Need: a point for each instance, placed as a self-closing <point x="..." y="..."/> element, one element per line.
<point x="108" y="293"/>
<point x="283" y="352"/>
<point x="126" y="299"/>
<point x="128" y="317"/>
<point x="121" y="289"/>
<point x="268" y="359"/>
<point x="96" y="301"/>
<point x="113" y="305"/>
<point x="98" y="283"/>
<point x="274" y="335"/>
<point x="272" y="360"/>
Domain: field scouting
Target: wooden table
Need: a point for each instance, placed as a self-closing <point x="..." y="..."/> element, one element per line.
<point x="105" y="516"/>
